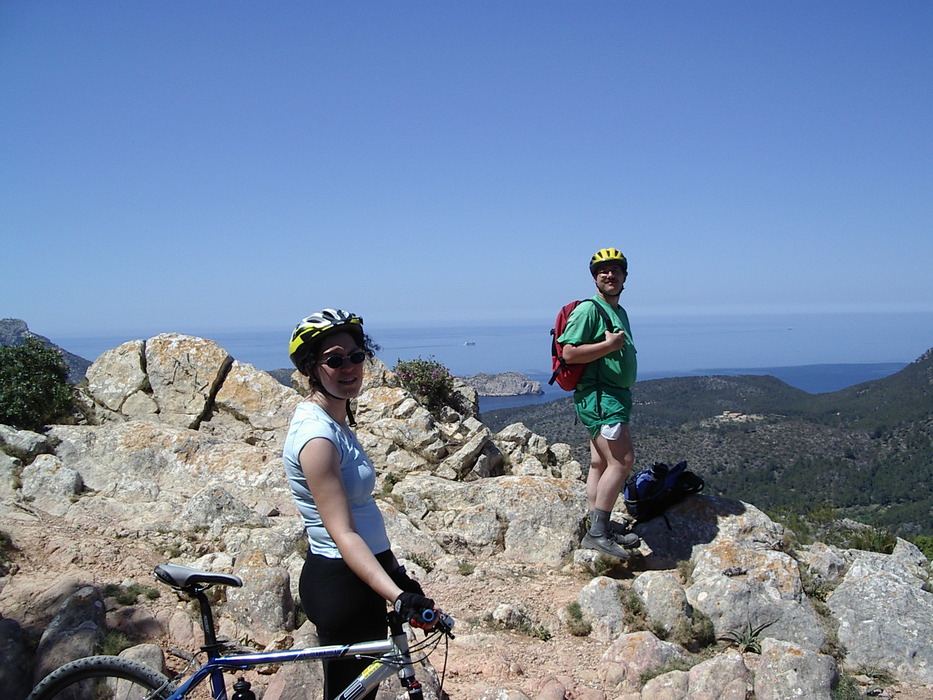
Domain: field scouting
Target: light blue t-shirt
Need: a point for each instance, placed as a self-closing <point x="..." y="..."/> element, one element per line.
<point x="359" y="478"/>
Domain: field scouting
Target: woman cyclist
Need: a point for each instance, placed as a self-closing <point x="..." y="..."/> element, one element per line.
<point x="350" y="571"/>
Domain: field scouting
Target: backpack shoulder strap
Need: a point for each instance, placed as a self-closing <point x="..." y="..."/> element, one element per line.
<point x="607" y="319"/>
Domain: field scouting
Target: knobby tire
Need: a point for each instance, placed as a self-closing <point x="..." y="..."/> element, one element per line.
<point x="96" y="677"/>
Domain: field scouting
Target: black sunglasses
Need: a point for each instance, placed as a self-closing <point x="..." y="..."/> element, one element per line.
<point x="338" y="361"/>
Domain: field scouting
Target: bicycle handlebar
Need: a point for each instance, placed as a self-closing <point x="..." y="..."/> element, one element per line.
<point x="442" y="622"/>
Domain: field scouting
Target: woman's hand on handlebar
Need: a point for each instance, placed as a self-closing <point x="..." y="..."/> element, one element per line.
<point x="417" y="610"/>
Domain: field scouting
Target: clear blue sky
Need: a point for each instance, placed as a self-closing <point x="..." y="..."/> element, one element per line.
<point x="194" y="166"/>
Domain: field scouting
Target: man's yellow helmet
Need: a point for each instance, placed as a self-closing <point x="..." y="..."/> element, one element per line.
<point x="607" y="255"/>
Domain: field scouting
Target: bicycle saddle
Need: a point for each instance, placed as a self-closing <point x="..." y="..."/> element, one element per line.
<point x="185" y="577"/>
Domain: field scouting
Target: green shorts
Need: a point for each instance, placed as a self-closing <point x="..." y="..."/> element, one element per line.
<point x="615" y="407"/>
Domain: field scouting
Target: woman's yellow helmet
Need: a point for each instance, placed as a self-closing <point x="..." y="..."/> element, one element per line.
<point x="607" y="255"/>
<point x="313" y="327"/>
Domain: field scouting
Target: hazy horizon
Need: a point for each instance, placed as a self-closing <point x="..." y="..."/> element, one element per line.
<point x="665" y="344"/>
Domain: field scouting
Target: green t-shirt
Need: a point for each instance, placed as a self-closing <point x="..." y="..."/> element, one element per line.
<point x="584" y="326"/>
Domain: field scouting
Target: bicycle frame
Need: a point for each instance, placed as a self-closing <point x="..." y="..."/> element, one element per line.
<point x="393" y="656"/>
<point x="390" y="655"/>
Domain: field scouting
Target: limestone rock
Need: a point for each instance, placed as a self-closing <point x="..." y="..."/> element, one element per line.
<point x="23" y="445"/>
<point x="263" y="606"/>
<point x="257" y="407"/>
<point x="789" y="671"/>
<point x="621" y="666"/>
<point x="664" y="598"/>
<point x="742" y="588"/>
<point x="76" y="631"/>
<point x="884" y="615"/>
<point x="599" y="603"/>
<point x="51" y="485"/>
<point x="118" y="377"/>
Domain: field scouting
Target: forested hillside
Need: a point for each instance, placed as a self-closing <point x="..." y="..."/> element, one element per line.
<point x="867" y="450"/>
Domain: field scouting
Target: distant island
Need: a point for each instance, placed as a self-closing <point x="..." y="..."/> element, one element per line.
<point x="503" y="384"/>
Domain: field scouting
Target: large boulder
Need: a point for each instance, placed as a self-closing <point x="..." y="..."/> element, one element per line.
<point x="533" y="519"/>
<point x="884" y="611"/>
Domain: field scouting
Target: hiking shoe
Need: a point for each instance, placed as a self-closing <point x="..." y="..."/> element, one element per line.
<point x="605" y="544"/>
<point x="621" y="534"/>
<point x="629" y="540"/>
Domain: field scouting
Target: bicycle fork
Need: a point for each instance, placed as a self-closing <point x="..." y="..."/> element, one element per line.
<point x="380" y="669"/>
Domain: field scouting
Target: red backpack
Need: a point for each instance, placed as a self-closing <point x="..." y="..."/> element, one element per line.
<point x="564" y="374"/>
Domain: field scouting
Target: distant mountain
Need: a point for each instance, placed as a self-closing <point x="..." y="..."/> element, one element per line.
<point x="867" y="450"/>
<point x="284" y="375"/>
<point x="14" y="331"/>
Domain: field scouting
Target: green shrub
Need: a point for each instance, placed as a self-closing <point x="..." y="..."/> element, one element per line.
<point x="925" y="544"/>
<point x="430" y="381"/>
<point x="34" y="386"/>
<point x="871" y="539"/>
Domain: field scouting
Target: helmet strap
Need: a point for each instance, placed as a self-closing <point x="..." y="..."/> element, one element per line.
<point x="318" y="385"/>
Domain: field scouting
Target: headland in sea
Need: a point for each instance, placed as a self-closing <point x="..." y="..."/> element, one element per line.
<point x="813" y="352"/>
<point x="814" y="379"/>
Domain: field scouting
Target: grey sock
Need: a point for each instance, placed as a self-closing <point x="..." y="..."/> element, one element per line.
<point x="599" y="522"/>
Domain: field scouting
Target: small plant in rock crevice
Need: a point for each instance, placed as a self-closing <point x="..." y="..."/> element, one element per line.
<point x="127" y="595"/>
<point x="114" y="642"/>
<point x="576" y="625"/>
<point x="430" y="381"/>
<point x="847" y="688"/>
<point x="748" y="638"/>
<point x="422" y="561"/>
<point x="465" y="568"/>
<point x="685" y="570"/>
<point x="634" y="615"/>
<point x="673" y="665"/>
<point x="694" y="632"/>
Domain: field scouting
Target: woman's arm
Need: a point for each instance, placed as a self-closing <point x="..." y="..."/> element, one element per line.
<point x="320" y="464"/>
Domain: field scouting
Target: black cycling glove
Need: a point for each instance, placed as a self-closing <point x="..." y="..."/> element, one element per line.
<point x="411" y="606"/>
<point x="406" y="582"/>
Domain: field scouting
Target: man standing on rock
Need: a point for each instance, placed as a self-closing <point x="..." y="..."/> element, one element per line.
<point x="603" y="398"/>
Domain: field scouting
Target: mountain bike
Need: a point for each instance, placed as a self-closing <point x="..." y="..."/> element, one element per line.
<point x="118" y="678"/>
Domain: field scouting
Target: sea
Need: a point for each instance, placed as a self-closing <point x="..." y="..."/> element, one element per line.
<point x="814" y="352"/>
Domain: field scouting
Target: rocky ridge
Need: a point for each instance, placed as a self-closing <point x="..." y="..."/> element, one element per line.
<point x="178" y="459"/>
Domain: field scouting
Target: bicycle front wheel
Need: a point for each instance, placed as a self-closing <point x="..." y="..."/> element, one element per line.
<point x="102" y="678"/>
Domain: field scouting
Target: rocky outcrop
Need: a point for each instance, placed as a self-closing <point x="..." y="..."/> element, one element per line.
<point x="503" y="384"/>
<point x="183" y="455"/>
